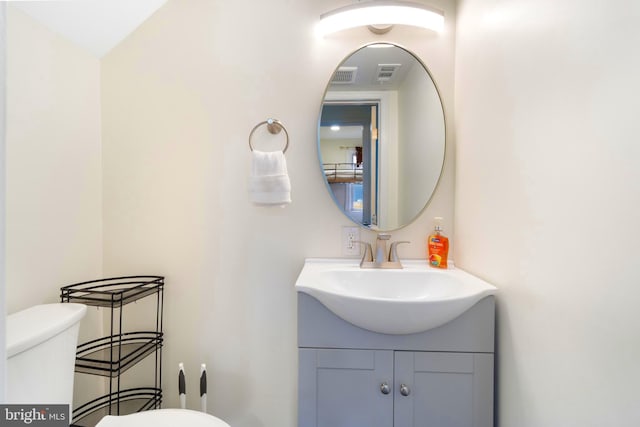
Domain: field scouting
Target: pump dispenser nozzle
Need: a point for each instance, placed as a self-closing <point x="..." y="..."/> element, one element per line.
<point x="437" y="221"/>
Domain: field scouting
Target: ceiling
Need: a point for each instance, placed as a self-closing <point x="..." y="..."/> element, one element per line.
<point x="368" y="62"/>
<point x="96" y="25"/>
<point x="344" y="132"/>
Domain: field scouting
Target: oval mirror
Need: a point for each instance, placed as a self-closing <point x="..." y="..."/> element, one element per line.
<point x="381" y="136"/>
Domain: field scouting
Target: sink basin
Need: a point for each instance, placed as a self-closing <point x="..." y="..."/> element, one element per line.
<point x="405" y="301"/>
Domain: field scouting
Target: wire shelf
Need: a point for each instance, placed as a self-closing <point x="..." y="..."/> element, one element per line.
<point x="111" y="292"/>
<point x="97" y="357"/>
<point x="115" y="353"/>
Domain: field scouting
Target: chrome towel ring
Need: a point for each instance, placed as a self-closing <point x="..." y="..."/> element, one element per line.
<point x="274" y="126"/>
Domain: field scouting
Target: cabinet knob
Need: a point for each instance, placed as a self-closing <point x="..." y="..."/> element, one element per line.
<point x="405" y="390"/>
<point x="384" y="388"/>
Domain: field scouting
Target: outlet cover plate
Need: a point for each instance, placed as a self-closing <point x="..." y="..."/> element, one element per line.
<point x="350" y="245"/>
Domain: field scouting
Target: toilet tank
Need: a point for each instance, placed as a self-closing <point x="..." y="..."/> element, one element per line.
<point x="41" y="349"/>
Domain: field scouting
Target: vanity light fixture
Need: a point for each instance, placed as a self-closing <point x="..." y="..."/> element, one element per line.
<point x="380" y="16"/>
<point x="380" y="46"/>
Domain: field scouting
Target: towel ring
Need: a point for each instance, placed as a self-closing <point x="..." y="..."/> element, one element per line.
<point x="274" y="126"/>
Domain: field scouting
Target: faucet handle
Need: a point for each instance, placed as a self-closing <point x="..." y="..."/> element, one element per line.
<point x="393" y="251"/>
<point x="383" y="236"/>
<point x="368" y="252"/>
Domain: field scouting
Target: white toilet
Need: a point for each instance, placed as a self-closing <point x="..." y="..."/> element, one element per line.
<point x="41" y="354"/>
<point x="163" y="418"/>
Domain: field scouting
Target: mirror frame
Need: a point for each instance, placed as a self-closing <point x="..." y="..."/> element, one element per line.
<point x="445" y="142"/>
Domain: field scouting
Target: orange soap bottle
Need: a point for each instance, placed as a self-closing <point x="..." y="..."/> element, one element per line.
<point x="438" y="246"/>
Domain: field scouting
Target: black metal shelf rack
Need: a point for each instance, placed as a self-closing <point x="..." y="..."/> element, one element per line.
<point x="112" y="355"/>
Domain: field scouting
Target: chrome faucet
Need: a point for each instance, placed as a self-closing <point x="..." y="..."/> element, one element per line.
<point x="380" y="259"/>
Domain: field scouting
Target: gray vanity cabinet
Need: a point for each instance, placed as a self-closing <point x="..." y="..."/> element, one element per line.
<point x="443" y="389"/>
<point x="440" y="378"/>
<point x="342" y="388"/>
<point x="383" y="388"/>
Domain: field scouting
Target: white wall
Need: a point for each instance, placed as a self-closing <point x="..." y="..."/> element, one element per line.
<point x="421" y="153"/>
<point x="2" y="196"/>
<point x="547" y="201"/>
<point x="179" y="99"/>
<point x="53" y="154"/>
<point x="338" y="150"/>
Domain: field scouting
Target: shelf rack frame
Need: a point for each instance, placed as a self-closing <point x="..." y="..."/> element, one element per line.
<point x="112" y="355"/>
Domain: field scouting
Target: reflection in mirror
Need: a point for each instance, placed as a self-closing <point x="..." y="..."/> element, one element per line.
<point x="381" y="139"/>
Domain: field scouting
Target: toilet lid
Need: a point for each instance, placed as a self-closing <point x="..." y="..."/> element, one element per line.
<point x="163" y="418"/>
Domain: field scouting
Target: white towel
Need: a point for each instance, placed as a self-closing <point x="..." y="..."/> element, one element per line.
<point x="269" y="181"/>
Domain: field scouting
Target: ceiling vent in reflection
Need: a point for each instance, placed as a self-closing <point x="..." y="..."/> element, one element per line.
<point x="386" y="72"/>
<point x="345" y="76"/>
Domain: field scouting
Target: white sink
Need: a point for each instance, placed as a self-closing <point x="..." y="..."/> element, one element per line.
<point x="405" y="301"/>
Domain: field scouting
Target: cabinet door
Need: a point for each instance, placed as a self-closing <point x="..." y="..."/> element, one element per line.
<point x="443" y="389"/>
<point x="342" y="388"/>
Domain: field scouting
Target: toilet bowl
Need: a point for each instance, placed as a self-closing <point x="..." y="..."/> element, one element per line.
<point x="163" y="418"/>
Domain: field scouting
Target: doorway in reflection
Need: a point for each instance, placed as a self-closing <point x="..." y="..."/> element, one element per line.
<point x="349" y="155"/>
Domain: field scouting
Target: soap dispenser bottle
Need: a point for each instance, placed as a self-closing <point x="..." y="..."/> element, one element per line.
<point x="438" y="246"/>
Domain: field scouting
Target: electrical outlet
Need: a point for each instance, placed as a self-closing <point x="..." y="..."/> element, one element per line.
<point x="350" y="237"/>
